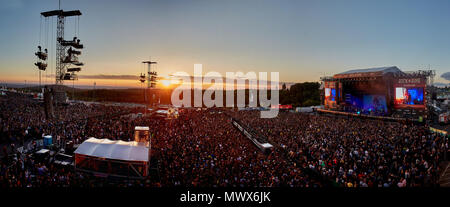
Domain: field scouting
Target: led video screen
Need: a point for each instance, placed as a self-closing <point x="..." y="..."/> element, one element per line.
<point x="375" y="103"/>
<point x="327" y="92"/>
<point x="409" y="96"/>
<point x="330" y="94"/>
<point x="333" y="94"/>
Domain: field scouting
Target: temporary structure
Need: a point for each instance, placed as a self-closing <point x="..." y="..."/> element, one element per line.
<point x="113" y="157"/>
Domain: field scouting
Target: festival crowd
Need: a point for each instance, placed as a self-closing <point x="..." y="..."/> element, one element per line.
<point x="202" y="148"/>
<point x="355" y="152"/>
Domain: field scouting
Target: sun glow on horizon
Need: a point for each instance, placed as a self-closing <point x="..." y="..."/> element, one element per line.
<point x="166" y="83"/>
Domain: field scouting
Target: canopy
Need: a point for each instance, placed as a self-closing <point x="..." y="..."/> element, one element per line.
<point x="109" y="149"/>
<point x="391" y="69"/>
<point x="369" y="72"/>
<point x="162" y="112"/>
<point x="42" y="151"/>
<point x="267" y="145"/>
<point x="141" y="128"/>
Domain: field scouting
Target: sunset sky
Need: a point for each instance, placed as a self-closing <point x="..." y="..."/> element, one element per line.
<point x="302" y="40"/>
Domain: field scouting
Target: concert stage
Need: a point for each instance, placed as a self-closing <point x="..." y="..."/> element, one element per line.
<point x="384" y="91"/>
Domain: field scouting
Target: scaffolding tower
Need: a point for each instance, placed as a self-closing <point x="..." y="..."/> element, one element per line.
<point x="151" y="77"/>
<point x="66" y="50"/>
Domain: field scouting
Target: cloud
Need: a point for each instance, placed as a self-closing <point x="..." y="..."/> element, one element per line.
<point x="439" y="84"/>
<point x="136" y="77"/>
<point x="109" y="77"/>
<point x="446" y="76"/>
<point x="106" y="77"/>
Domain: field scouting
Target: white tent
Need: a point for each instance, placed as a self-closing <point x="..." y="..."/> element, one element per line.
<point x="42" y="151"/>
<point x="141" y="128"/>
<point x="117" y="150"/>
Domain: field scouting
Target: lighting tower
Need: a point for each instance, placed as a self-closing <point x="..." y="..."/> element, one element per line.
<point x="151" y="78"/>
<point x="152" y="75"/>
<point x="66" y="53"/>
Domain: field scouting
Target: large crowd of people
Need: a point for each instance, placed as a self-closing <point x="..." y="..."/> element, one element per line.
<point x="202" y="148"/>
<point x="357" y="152"/>
<point x="23" y="122"/>
<point x="199" y="148"/>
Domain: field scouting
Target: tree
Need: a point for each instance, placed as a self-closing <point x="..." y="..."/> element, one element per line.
<point x="301" y="94"/>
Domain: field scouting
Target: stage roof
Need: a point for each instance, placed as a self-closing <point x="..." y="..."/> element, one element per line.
<point x="368" y="72"/>
<point x="113" y="149"/>
<point x="391" y="69"/>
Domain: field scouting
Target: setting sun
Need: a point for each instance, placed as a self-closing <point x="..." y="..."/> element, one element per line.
<point x="165" y="82"/>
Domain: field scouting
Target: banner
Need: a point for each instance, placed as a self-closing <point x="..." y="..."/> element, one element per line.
<point x="410" y="83"/>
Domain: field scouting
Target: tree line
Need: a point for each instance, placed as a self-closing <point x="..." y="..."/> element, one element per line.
<point x="299" y="95"/>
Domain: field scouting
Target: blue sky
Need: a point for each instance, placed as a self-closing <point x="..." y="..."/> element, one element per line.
<point x="302" y="40"/>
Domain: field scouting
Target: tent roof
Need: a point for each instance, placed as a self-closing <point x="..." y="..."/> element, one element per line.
<point x="117" y="149"/>
<point x="390" y="69"/>
<point x="369" y="72"/>
<point x="266" y="145"/>
<point x="141" y="128"/>
<point x="42" y="151"/>
<point x="162" y="112"/>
